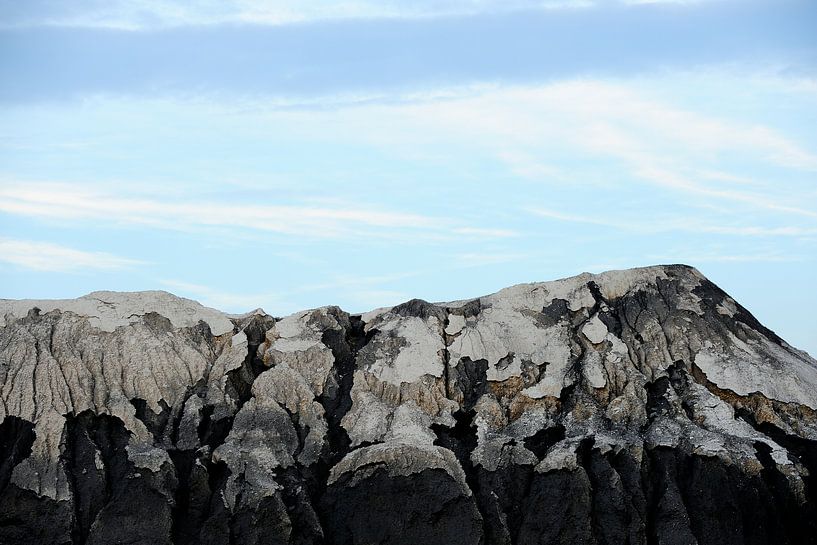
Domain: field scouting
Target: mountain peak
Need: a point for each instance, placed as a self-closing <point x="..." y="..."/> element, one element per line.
<point x="645" y="398"/>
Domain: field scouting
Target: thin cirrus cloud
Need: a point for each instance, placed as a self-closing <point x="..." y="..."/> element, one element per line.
<point x="686" y="224"/>
<point x="609" y="118"/>
<point x="554" y="135"/>
<point x="76" y="203"/>
<point x="151" y="14"/>
<point x="721" y="257"/>
<point x="223" y="300"/>
<point x="49" y="257"/>
<point x="371" y="47"/>
<point x="527" y="128"/>
<point x="484" y="232"/>
<point x="367" y="291"/>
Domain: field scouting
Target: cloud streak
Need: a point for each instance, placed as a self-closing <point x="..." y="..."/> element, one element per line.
<point x="75" y="203"/>
<point x="539" y="134"/>
<point x="658" y="144"/>
<point x="152" y="14"/>
<point x="675" y="224"/>
<point x="228" y="301"/>
<point x="49" y="257"/>
<point x="363" y="292"/>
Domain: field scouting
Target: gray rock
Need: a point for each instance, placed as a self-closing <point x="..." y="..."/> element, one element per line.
<point x="640" y="406"/>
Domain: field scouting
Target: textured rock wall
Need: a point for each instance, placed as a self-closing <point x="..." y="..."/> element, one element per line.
<point x="640" y="406"/>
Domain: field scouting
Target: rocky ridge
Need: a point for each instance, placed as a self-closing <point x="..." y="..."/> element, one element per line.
<point x="638" y="406"/>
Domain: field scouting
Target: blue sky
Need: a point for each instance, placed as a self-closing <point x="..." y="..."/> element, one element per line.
<point x="294" y="154"/>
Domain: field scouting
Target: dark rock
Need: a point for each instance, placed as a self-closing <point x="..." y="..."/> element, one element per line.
<point x="632" y="407"/>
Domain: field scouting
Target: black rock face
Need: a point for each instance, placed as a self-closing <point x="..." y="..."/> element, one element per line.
<point x="427" y="507"/>
<point x="599" y="410"/>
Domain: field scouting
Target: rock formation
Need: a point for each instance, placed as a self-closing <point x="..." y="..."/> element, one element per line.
<point x="629" y="407"/>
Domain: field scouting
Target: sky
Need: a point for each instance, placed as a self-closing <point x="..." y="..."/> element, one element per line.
<point x="289" y="155"/>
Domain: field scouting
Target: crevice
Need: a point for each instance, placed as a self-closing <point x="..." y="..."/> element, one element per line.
<point x="298" y="484"/>
<point x="566" y="398"/>
<point x="578" y="344"/>
<point x="648" y="487"/>
<point x="541" y="441"/>
<point x="184" y="527"/>
<point x="446" y="356"/>
<point x="240" y="380"/>
<point x="595" y="291"/>
<point x="657" y="402"/>
<point x="461" y="439"/>
<point x="301" y="431"/>
<point x="471" y="380"/>
<point x="156" y="423"/>
<point x="499" y="494"/>
<point x="799" y="520"/>
<point x="199" y="391"/>
<point x="584" y="455"/>
<point x="804" y="450"/>
<point x="16" y="438"/>
<point x="345" y="345"/>
<point x="198" y="495"/>
<point x="505" y="361"/>
<point x="214" y="515"/>
<point x="213" y="433"/>
<point x="96" y="464"/>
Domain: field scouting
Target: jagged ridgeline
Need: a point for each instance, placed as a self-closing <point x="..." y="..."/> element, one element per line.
<point x="631" y="407"/>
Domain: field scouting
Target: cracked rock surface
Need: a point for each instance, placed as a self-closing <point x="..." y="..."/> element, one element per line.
<point x="630" y="407"/>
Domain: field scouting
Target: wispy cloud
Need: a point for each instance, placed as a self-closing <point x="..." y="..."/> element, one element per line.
<point x="725" y="257"/>
<point x="537" y="131"/>
<point x="230" y="301"/>
<point x="670" y="224"/>
<point x="656" y="167"/>
<point x="49" y="257"/>
<point x="658" y="144"/>
<point x="474" y="259"/>
<point x="676" y="2"/>
<point x="65" y="201"/>
<point x="361" y="292"/>
<point x="77" y="203"/>
<point x="481" y="232"/>
<point x="149" y="14"/>
<point x="622" y="136"/>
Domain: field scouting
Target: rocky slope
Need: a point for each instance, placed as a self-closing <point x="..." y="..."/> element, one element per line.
<point x="640" y="406"/>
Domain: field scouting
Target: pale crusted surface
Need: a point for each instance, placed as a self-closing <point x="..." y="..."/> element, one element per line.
<point x="296" y="342"/>
<point x="405" y="349"/>
<point x="399" y="459"/>
<point x="59" y="363"/>
<point x="534" y="352"/>
<point x="505" y="334"/>
<point x="374" y="402"/>
<point x="107" y="310"/>
<point x="594" y="330"/>
<point x="761" y="366"/>
<point x="561" y="456"/>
